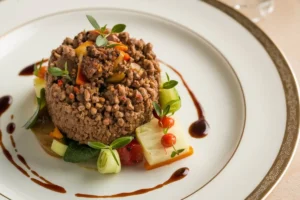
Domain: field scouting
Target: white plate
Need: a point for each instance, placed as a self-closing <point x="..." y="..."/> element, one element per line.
<point x="237" y="85"/>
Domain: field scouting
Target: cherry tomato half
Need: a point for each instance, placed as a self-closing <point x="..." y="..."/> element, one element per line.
<point x="166" y="122"/>
<point x="131" y="154"/>
<point x="168" y="140"/>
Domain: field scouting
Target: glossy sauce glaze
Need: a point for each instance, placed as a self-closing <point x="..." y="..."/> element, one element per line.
<point x="198" y="128"/>
<point x="10" y="128"/>
<point x="10" y="158"/>
<point x="5" y="102"/>
<point x="176" y="176"/>
<point x="28" y="71"/>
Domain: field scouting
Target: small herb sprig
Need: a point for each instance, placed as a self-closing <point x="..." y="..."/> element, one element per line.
<point x="170" y="83"/>
<point x="118" y="143"/>
<point x="163" y="113"/>
<point x="41" y="104"/>
<point x="37" y="67"/>
<point x="55" y="71"/>
<point x="101" y="40"/>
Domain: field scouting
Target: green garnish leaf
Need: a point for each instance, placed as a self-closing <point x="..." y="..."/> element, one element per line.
<point x="103" y="28"/>
<point x="76" y="153"/>
<point x="173" y="154"/>
<point x="29" y="124"/>
<point x="156" y="108"/>
<point x="179" y="151"/>
<point x="166" y="110"/>
<point x="118" y="28"/>
<point x="101" y="41"/>
<point x="111" y="151"/>
<point x="37" y="67"/>
<point x="55" y="71"/>
<point x="35" y="70"/>
<point x="41" y="104"/>
<point x="42" y="99"/>
<point x="170" y="84"/>
<point x="93" y="21"/>
<point x="112" y="45"/>
<point x="121" y="142"/>
<point x="97" y="145"/>
<point x="168" y="78"/>
<point x="176" y="152"/>
<point x="118" y="143"/>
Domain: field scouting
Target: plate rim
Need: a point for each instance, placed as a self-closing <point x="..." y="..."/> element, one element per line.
<point x="291" y="136"/>
<point x="291" y="90"/>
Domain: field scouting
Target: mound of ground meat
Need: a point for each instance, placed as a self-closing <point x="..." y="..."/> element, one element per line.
<point x="98" y="110"/>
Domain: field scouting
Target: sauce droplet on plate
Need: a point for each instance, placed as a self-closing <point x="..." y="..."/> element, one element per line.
<point x="5" y="102"/>
<point x="10" y="128"/>
<point x="198" y="128"/>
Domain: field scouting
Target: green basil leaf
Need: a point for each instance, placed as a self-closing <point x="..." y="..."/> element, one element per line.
<point x="173" y="154"/>
<point x="157" y="108"/>
<point x="55" y="71"/>
<point x="112" y="45"/>
<point x="180" y="151"/>
<point x="103" y="28"/>
<point x="168" y="78"/>
<point x="101" y="41"/>
<point x="97" y="145"/>
<point x="41" y="104"/>
<point x="42" y="99"/>
<point x="32" y="120"/>
<point x="76" y="153"/>
<point x="121" y="142"/>
<point x="93" y="21"/>
<point x="170" y="84"/>
<point x="113" y="154"/>
<point x="166" y="110"/>
<point x="118" y="28"/>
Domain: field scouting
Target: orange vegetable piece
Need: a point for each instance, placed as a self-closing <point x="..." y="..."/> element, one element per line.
<point x="147" y="166"/>
<point x="56" y="134"/>
<point x="80" y="52"/>
<point x="42" y="71"/>
<point x="59" y="83"/>
<point x="80" y="79"/>
<point x="126" y="56"/>
<point x="81" y="49"/>
<point x="122" y="47"/>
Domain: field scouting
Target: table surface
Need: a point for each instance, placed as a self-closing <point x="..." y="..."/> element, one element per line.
<point x="283" y="27"/>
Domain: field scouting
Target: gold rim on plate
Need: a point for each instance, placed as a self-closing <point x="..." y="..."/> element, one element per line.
<point x="289" y="143"/>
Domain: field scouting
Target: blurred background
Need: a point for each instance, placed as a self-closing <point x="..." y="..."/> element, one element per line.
<point x="280" y="19"/>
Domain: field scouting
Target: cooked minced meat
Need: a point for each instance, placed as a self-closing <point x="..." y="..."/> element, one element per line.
<point x="99" y="110"/>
